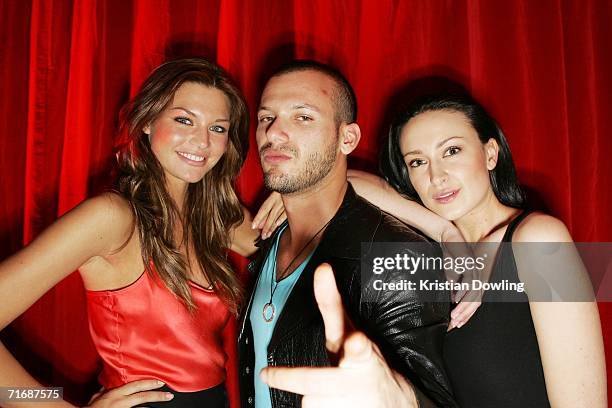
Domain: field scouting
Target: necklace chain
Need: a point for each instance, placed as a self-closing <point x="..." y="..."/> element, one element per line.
<point x="269" y="309"/>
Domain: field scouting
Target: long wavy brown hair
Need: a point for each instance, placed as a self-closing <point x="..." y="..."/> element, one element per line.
<point x="211" y="207"/>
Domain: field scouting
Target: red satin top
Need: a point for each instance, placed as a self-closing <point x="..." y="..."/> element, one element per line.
<point x="142" y="331"/>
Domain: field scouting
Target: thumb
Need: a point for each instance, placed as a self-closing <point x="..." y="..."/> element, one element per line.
<point x="358" y="349"/>
<point x="330" y="306"/>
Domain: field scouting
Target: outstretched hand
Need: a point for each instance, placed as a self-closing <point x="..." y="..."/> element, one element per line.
<point x="361" y="378"/>
<point x="271" y="214"/>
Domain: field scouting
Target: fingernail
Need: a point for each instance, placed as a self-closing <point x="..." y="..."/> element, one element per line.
<point x="263" y="375"/>
<point x="160" y="382"/>
<point x="169" y="395"/>
<point x="253" y="225"/>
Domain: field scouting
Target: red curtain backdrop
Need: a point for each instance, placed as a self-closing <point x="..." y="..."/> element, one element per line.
<point x="542" y="68"/>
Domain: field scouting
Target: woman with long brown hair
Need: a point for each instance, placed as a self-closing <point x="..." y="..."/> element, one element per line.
<point x="153" y="252"/>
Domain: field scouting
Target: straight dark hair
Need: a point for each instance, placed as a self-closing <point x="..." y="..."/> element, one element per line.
<point x="503" y="177"/>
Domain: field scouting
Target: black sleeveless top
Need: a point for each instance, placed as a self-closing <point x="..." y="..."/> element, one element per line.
<point x="494" y="360"/>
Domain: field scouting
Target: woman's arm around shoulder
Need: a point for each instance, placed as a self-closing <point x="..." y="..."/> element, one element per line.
<point x="381" y="194"/>
<point x="569" y="333"/>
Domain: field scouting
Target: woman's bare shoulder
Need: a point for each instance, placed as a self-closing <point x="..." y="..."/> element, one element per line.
<point x="110" y="212"/>
<point x="540" y="227"/>
<point x="113" y="202"/>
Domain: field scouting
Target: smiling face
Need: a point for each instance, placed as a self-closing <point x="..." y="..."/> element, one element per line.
<point x="447" y="164"/>
<point x="191" y="134"/>
<point x="297" y="134"/>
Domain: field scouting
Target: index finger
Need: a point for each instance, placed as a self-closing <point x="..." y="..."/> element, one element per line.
<point x="267" y="206"/>
<point x="147" y="396"/>
<point x="137" y="386"/>
<point x="261" y="215"/>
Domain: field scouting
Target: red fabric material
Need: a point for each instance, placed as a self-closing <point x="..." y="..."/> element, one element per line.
<point x="541" y="68"/>
<point x="142" y="331"/>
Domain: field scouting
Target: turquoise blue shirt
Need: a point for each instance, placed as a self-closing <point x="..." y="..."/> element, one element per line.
<point x="262" y="330"/>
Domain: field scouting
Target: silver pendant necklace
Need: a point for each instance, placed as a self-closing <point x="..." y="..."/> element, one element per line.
<point x="269" y="310"/>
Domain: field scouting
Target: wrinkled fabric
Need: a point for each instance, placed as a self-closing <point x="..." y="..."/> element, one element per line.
<point x="143" y="331"/>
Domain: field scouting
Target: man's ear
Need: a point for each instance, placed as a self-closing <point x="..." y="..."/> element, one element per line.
<point x="491" y="152"/>
<point x="350" y="134"/>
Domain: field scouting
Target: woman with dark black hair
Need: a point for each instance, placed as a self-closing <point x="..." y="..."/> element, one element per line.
<point x="503" y="176"/>
<point x="447" y="161"/>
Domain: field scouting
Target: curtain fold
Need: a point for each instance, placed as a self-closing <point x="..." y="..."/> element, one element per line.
<point x="541" y="68"/>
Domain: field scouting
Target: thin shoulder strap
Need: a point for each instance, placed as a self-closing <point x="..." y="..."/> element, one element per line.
<point x="513" y="224"/>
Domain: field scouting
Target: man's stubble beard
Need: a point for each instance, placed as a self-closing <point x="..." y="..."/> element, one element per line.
<point x="316" y="166"/>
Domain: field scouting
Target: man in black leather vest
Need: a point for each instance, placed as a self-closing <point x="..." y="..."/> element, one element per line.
<point x="306" y="128"/>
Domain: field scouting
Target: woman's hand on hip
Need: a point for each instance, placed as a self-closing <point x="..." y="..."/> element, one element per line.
<point x="130" y="394"/>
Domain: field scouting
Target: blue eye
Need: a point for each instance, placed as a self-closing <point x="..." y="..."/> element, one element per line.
<point x="183" y="120"/>
<point x="217" y="129"/>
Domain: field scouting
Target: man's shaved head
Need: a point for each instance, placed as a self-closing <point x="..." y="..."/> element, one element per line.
<point x="345" y="103"/>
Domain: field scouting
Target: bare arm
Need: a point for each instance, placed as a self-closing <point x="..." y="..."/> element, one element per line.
<point x="569" y="333"/>
<point x="89" y="230"/>
<point x="380" y="193"/>
<point x="30" y="273"/>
